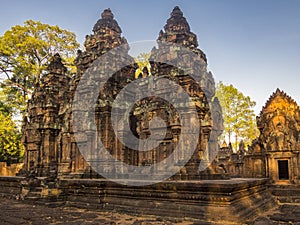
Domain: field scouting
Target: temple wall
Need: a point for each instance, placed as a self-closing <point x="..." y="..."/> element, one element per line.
<point x="292" y="166"/>
<point x="253" y="166"/>
<point x="275" y="152"/>
<point x="10" y="170"/>
<point x="204" y="200"/>
<point x="237" y="200"/>
<point x="50" y="134"/>
<point x="10" y="187"/>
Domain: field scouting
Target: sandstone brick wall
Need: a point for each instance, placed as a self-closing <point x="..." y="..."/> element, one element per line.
<point x="10" y="170"/>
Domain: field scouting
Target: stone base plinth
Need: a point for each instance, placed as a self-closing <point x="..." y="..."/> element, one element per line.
<point x="286" y="194"/>
<point x="10" y="186"/>
<point x="235" y="200"/>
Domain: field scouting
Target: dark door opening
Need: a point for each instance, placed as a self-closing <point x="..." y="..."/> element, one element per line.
<point x="283" y="169"/>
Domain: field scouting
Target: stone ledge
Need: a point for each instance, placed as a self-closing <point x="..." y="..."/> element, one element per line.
<point x="235" y="200"/>
<point x="232" y="200"/>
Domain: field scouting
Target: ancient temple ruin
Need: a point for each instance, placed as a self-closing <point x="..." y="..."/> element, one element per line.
<point x="49" y="136"/>
<point x="48" y="130"/>
<point x="44" y="128"/>
<point x="60" y="141"/>
<point x="275" y="153"/>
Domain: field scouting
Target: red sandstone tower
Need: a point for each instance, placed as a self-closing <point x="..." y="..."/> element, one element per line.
<point x="49" y="132"/>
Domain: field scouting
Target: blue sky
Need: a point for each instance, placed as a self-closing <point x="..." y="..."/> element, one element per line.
<point x="254" y="45"/>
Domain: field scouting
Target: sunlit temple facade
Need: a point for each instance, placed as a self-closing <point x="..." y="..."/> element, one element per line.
<point x="275" y="153"/>
<point x="48" y="129"/>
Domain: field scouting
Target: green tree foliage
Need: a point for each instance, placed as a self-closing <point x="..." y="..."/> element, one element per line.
<point x="11" y="148"/>
<point x="24" y="54"/>
<point x="142" y="60"/>
<point x="238" y="114"/>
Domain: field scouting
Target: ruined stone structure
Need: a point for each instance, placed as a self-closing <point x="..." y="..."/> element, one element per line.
<point x="231" y="162"/>
<point x="178" y="36"/>
<point x="45" y="122"/>
<point x="48" y="131"/>
<point x="275" y="153"/>
<point x="60" y="142"/>
<point x="107" y="36"/>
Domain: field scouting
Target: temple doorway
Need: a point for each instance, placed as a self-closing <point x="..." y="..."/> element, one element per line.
<point x="283" y="170"/>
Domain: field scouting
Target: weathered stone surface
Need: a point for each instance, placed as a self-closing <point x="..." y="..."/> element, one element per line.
<point x="10" y="169"/>
<point x="49" y="130"/>
<point x="43" y="126"/>
<point x="278" y="123"/>
<point x="286" y="193"/>
<point x="177" y="47"/>
<point x="52" y="151"/>
<point x="10" y="186"/>
<point x="48" y="133"/>
<point x="237" y="200"/>
<point x="275" y="153"/>
<point x="16" y="212"/>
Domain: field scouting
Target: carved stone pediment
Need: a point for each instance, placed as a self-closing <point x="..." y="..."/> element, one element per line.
<point x="278" y="123"/>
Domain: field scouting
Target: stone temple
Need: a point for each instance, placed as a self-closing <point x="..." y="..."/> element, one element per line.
<point x="49" y="136"/>
<point x="64" y="162"/>
<point x="275" y="153"/>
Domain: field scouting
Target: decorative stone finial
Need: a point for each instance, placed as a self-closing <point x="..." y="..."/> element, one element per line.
<point x="107" y="14"/>
<point x="57" y="57"/>
<point x="177" y="30"/>
<point x="177" y="22"/>
<point x="107" y="21"/>
<point x="176" y="12"/>
<point x="278" y="91"/>
<point x="56" y="65"/>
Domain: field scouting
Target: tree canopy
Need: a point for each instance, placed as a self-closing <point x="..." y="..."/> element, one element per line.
<point x="142" y="60"/>
<point x="11" y="148"/>
<point x="24" y="54"/>
<point x="238" y="115"/>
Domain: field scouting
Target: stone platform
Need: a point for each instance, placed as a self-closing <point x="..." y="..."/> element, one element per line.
<point x="10" y="186"/>
<point x="286" y="194"/>
<point x="234" y="200"/>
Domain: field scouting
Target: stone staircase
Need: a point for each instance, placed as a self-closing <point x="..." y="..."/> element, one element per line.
<point x="33" y="195"/>
<point x="38" y="192"/>
<point x="286" y="194"/>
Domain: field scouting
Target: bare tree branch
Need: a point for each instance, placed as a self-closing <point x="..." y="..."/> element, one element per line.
<point x="11" y="83"/>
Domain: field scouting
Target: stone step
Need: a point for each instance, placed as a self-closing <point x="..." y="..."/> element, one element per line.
<point x="34" y="194"/>
<point x="50" y="202"/>
<point x="31" y="199"/>
<point x="285" y="189"/>
<point x="36" y="189"/>
<point x="286" y="192"/>
<point x="291" y="204"/>
<point x="289" y="199"/>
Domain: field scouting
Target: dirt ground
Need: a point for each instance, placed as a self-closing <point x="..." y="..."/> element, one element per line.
<point x="18" y="212"/>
